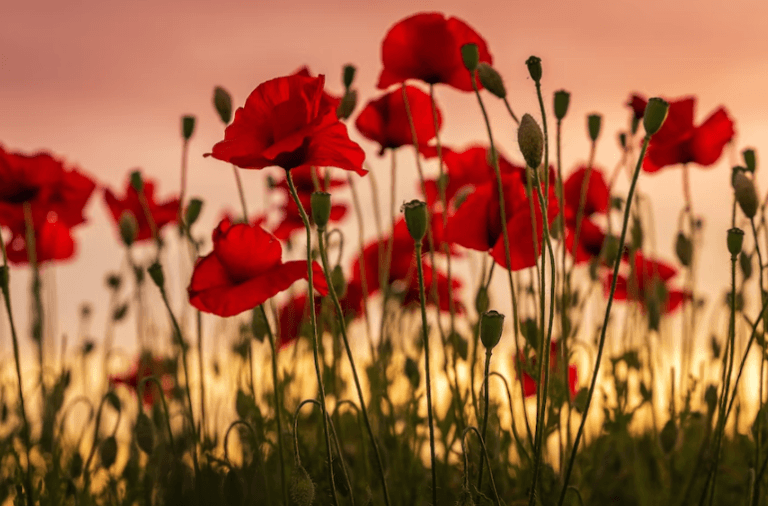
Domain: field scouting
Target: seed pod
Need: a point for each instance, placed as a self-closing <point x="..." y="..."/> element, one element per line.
<point x="491" y="326"/>
<point x="491" y="80"/>
<point x="562" y="100"/>
<point x="145" y="433"/>
<point x="470" y="55"/>
<point x="531" y="141"/>
<point x="416" y="218"/>
<point x="187" y="127"/>
<point x="735" y="241"/>
<point x="594" y="122"/>
<point x="129" y="227"/>
<point x="534" y="68"/>
<point x="321" y="208"/>
<point x="655" y="114"/>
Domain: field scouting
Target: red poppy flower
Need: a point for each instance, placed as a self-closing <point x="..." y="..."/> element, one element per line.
<point x="466" y="170"/>
<point x="385" y="119"/>
<point x="292" y="318"/>
<point x="679" y="141"/>
<point x="530" y="386"/>
<point x="596" y="201"/>
<point x="477" y="223"/>
<point x="22" y="176"/>
<point x="244" y="270"/>
<point x="646" y="283"/>
<point x="162" y="213"/>
<point x="327" y="100"/>
<point x="286" y="123"/>
<point x="427" y="46"/>
<point x="145" y="366"/>
<point x="53" y="241"/>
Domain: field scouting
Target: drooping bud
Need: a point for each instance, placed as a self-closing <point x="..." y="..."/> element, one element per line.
<point x="187" y="127"/>
<point x="222" y="101"/>
<point x="137" y="182"/>
<point x="128" y="226"/>
<point x="684" y="249"/>
<point x="302" y="489"/>
<point x="594" y="122"/>
<point x="156" y="273"/>
<point x="735" y="241"/>
<point x="321" y="208"/>
<point x="470" y="55"/>
<point x="108" y="451"/>
<point x="534" y="68"/>
<point x="562" y="101"/>
<point x="655" y="114"/>
<point x="416" y="218"/>
<point x="745" y="192"/>
<point x="194" y="207"/>
<point x="749" y="159"/>
<point x="347" y="105"/>
<point x="491" y="326"/>
<point x="145" y="433"/>
<point x="481" y="300"/>
<point x="348" y="75"/>
<point x="531" y="141"/>
<point x="491" y="80"/>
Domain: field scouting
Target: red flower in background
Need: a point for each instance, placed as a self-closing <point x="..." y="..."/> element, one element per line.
<point x="286" y="122"/>
<point x="427" y="46"/>
<point x="327" y="100"/>
<point x="291" y="317"/>
<point x="477" y="223"/>
<point x="244" y="270"/>
<point x="530" y="386"/>
<point x="145" y="366"/>
<point x="679" y="141"/>
<point x="646" y="283"/>
<point x="162" y="213"/>
<point x="385" y="120"/>
<point x="596" y="201"/>
<point x="53" y="241"/>
<point x="466" y="170"/>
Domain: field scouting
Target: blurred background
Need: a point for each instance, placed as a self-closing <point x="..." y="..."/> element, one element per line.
<point x="103" y="85"/>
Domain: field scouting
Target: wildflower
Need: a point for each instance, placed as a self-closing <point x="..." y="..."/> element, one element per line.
<point x="427" y="46"/>
<point x="287" y="123"/>
<point x="530" y="385"/>
<point x="647" y="284"/>
<point x="244" y="270"/>
<point x="596" y="201"/>
<point x="162" y="213"/>
<point x="385" y="120"/>
<point x="145" y="366"/>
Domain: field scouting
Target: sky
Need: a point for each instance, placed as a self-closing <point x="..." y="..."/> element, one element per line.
<point x="104" y="85"/>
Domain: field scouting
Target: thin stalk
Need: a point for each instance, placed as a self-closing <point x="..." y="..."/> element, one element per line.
<point x="343" y="328"/>
<point x="313" y="318"/>
<point x="425" y="333"/>
<point x="488" y="352"/>
<point x="240" y="192"/>
<point x="4" y="284"/>
<point x="36" y="287"/>
<point x="276" y="388"/>
<point x="485" y="452"/>
<point x="603" y="329"/>
<point x="200" y="370"/>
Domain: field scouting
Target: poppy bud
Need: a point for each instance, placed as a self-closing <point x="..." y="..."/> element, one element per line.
<point x="321" y="208"/>
<point x="534" y="68"/>
<point x="491" y="80"/>
<point x="749" y="159"/>
<point x="338" y="282"/>
<point x="302" y="488"/>
<point x="562" y="100"/>
<point x="735" y="240"/>
<point x="348" y="75"/>
<point x="531" y="141"/>
<point x="156" y="273"/>
<point x="347" y="104"/>
<point x="481" y="300"/>
<point x="635" y="124"/>
<point x="491" y="325"/>
<point x="145" y="433"/>
<point x="137" y="182"/>
<point x="416" y="218"/>
<point x="222" y="101"/>
<point x="746" y="195"/>
<point x="684" y="249"/>
<point x="470" y="55"/>
<point x="108" y="451"/>
<point x="594" y="121"/>
<point x="655" y="114"/>
<point x="187" y="127"/>
<point x="668" y="436"/>
<point x="128" y="226"/>
<point x="193" y="211"/>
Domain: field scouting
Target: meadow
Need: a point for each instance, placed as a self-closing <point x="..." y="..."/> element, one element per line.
<point x="399" y="377"/>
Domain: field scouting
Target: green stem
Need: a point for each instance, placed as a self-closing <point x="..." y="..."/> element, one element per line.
<point x="36" y="287"/>
<point x="425" y="333"/>
<point x="313" y="318"/>
<point x="343" y="328"/>
<point x="240" y="192"/>
<point x="604" y="328"/>
<point x="486" y="396"/>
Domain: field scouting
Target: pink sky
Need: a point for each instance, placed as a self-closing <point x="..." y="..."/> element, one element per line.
<point x="103" y="85"/>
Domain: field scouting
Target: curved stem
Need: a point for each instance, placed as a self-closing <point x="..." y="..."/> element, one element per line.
<point x="313" y="318"/>
<point x="603" y="329"/>
<point x="488" y="461"/>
